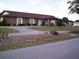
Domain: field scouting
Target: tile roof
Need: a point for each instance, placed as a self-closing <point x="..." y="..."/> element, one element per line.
<point x="27" y="15"/>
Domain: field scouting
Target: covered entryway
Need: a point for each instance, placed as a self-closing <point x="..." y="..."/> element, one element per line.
<point x="43" y="22"/>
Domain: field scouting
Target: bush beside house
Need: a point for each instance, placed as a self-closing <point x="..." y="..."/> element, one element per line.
<point x="64" y="22"/>
<point x="3" y="23"/>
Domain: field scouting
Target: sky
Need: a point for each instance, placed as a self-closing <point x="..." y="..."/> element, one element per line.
<point x="57" y="8"/>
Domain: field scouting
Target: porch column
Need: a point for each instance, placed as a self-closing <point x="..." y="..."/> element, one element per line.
<point x="39" y="22"/>
<point x="32" y="21"/>
<point x="48" y="22"/>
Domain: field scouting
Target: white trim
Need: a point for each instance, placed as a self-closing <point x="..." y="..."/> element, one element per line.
<point x="53" y="21"/>
<point x="47" y="22"/>
<point x="39" y="22"/>
<point x="1" y="19"/>
<point x="5" y="13"/>
<point x="19" y="21"/>
<point x="32" y="21"/>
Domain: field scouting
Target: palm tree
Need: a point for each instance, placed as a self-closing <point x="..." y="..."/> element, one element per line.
<point x="74" y="6"/>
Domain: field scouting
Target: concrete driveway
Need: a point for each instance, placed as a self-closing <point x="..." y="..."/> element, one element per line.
<point x="24" y="30"/>
<point x="61" y="50"/>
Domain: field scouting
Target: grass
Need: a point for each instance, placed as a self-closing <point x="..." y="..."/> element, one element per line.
<point x="75" y="31"/>
<point x="8" y="30"/>
<point x="35" y="41"/>
<point x="54" y="28"/>
<point x="11" y="44"/>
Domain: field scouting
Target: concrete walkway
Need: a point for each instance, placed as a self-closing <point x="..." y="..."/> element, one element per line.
<point x="61" y="50"/>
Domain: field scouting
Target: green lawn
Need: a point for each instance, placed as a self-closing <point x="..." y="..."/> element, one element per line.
<point x="53" y="28"/>
<point x="8" y="30"/>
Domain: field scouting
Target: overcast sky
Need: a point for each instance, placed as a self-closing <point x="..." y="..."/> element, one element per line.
<point x="57" y="8"/>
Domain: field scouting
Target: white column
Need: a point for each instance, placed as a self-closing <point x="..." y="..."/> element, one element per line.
<point x="48" y="22"/>
<point x="21" y="21"/>
<point x="32" y="21"/>
<point x="16" y="21"/>
<point x="39" y="22"/>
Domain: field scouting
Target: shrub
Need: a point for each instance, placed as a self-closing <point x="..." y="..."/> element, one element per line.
<point x="21" y="24"/>
<point x="54" y="33"/>
<point x="28" y="24"/>
<point x="3" y="23"/>
<point x="51" y="24"/>
<point x="34" y="24"/>
<point x="59" y="23"/>
<point x="14" y="24"/>
<point x="75" y="31"/>
<point x="8" y="25"/>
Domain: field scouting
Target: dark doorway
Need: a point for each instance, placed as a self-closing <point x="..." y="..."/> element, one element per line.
<point x="43" y="23"/>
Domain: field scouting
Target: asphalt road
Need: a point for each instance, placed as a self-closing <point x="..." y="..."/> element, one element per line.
<point x="61" y="50"/>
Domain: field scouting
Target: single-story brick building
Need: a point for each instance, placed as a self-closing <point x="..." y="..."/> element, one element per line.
<point x="22" y="18"/>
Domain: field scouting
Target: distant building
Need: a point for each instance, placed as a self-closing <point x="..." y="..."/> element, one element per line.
<point x="76" y="23"/>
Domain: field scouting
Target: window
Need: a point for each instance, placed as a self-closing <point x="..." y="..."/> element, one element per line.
<point x="1" y="19"/>
<point x="32" y="21"/>
<point x="19" y="21"/>
<point x="53" y="21"/>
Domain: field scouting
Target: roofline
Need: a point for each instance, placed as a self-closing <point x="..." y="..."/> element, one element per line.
<point x="30" y="13"/>
<point x="27" y="12"/>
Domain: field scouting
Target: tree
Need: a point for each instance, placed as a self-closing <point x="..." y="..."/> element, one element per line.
<point x="65" y="21"/>
<point x="59" y="22"/>
<point x="74" y="6"/>
<point x="4" y="23"/>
